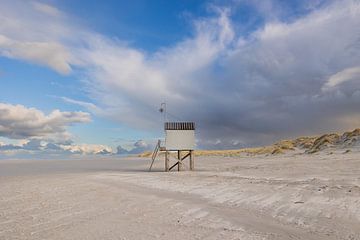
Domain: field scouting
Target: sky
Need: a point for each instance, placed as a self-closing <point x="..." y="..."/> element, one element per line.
<point x="88" y="77"/>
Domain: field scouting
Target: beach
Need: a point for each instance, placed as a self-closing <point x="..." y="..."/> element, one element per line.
<point x="287" y="196"/>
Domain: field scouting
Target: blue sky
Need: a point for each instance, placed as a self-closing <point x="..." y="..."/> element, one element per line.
<point x="148" y="25"/>
<point x="89" y="76"/>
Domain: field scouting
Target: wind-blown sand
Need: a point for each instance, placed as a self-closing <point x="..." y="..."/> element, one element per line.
<point x="290" y="196"/>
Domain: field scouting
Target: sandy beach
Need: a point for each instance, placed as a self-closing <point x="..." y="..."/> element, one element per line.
<point x="250" y="109"/>
<point x="291" y="196"/>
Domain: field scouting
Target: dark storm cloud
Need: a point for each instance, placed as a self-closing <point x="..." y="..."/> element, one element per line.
<point x="273" y="85"/>
<point x="283" y="79"/>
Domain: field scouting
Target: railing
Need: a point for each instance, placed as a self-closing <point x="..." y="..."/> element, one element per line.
<point x="156" y="150"/>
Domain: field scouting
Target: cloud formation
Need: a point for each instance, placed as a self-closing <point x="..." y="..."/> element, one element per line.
<point x="44" y="147"/>
<point x="139" y="146"/>
<point x="240" y="91"/>
<point x="45" y="53"/>
<point x="37" y="33"/>
<point x="282" y="79"/>
<point x="346" y="75"/>
<point x="88" y="149"/>
<point x="20" y="122"/>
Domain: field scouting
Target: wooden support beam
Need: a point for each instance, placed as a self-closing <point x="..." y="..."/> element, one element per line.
<point x="191" y="160"/>
<point x="179" y="161"/>
<point x="173" y="166"/>
<point x="185" y="156"/>
<point x="167" y="161"/>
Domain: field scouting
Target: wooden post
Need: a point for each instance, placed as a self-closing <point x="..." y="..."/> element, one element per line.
<point x="180" y="162"/>
<point x="166" y="161"/>
<point x="191" y="160"/>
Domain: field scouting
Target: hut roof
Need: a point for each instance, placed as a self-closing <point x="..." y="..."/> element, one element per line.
<point x="179" y="126"/>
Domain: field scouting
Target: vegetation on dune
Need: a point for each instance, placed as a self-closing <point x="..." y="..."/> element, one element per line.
<point x="308" y="144"/>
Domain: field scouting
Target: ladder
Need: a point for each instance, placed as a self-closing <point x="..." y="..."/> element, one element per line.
<point x="156" y="150"/>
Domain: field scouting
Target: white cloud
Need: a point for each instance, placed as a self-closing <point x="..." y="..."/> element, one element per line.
<point x="47" y="9"/>
<point x="37" y="33"/>
<point x="88" y="149"/>
<point x="132" y="83"/>
<point x="90" y="106"/>
<point x="20" y="122"/>
<point x="136" y="148"/>
<point x="38" y="146"/>
<point x="52" y="54"/>
<point x="345" y="75"/>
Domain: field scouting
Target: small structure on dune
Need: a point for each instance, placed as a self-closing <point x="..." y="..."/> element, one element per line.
<point x="179" y="139"/>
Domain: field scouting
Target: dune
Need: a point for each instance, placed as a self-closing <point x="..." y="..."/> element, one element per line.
<point x="308" y="144"/>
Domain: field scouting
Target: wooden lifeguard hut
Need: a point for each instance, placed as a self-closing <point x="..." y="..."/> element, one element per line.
<point x="179" y="138"/>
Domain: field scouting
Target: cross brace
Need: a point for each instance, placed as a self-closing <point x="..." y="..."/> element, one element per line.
<point x="180" y="160"/>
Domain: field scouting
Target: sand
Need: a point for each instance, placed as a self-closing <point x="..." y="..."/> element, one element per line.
<point x="290" y="196"/>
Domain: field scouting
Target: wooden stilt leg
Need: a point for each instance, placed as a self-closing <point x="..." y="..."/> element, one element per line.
<point x="191" y="160"/>
<point x="166" y="161"/>
<point x="179" y="159"/>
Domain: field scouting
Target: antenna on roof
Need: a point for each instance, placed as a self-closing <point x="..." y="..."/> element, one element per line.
<point x="163" y="110"/>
